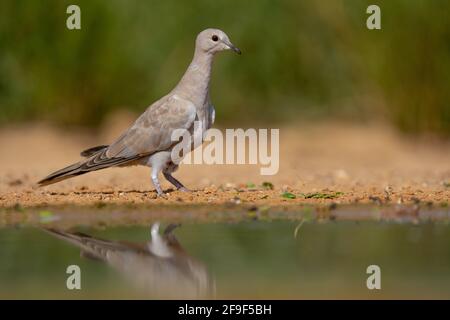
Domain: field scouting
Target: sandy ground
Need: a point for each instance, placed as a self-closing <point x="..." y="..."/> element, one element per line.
<point x="320" y="164"/>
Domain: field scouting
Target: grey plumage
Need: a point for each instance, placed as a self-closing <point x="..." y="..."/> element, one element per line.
<point x="159" y="268"/>
<point x="97" y="161"/>
<point x="91" y="151"/>
<point x="148" y="141"/>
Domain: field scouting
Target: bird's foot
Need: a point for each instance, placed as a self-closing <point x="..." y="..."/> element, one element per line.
<point x="161" y="194"/>
<point x="169" y="229"/>
<point x="184" y="189"/>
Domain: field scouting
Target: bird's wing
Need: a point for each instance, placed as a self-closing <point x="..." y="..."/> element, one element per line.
<point x="153" y="130"/>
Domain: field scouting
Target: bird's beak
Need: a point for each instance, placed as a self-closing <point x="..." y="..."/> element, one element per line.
<point x="232" y="47"/>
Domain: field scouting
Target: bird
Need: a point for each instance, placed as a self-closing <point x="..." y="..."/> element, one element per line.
<point x="148" y="141"/>
<point x="159" y="268"/>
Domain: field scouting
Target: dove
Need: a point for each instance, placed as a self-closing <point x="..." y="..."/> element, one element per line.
<point x="148" y="141"/>
<point x="159" y="268"/>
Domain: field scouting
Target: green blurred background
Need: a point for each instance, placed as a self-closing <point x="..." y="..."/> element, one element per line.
<point x="302" y="59"/>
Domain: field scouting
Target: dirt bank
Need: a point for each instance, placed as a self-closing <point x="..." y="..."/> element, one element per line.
<point x="321" y="164"/>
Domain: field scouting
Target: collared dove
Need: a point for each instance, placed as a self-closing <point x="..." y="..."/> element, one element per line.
<point x="160" y="267"/>
<point x="148" y="141"/>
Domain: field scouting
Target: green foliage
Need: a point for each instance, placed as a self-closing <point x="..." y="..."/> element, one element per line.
<point x="267" y="185"/>
<point x="288" y="195"/>
<point x="313" y="59"/>
<point x="251" y="185"/>
<point x="46" y="216"/>
<point x="322" y="195"/>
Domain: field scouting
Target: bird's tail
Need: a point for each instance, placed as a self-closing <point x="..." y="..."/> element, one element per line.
<point x="63" y="174"/>
<point x="96" y="160"/>
<point x="91" y="151"/>
<point x="75" y="238"/>
<point x="92" y="248"/>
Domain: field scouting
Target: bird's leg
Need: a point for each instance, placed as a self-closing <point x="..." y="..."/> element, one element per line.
<point x="175" y="182"/>
<point x="169" y="229"/>
<point x="156" y="183"/>
<point x="154" y="230"/>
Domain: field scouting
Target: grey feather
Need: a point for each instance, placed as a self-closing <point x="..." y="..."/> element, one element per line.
<point x="149" y="140"/>
<point x="176" y="276"/>
<point x="91" y="151"/>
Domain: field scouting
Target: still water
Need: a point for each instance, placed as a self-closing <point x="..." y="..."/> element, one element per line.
<point x="276" y="259"/>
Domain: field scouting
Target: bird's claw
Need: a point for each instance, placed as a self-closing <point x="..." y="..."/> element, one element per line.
<point x="169" y="229"/>
<point x="184" y="189"/>
<point x="161" y="195"/>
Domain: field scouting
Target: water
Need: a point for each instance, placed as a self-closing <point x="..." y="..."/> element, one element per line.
<point x="251" y="259"/>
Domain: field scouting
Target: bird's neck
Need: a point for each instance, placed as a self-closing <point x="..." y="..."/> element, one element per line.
<point x="194" y="85"/>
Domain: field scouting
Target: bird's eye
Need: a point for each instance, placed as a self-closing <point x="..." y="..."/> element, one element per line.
<point x="215" y="38"/>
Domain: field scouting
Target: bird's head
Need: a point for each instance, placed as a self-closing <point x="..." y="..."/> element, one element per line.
<point x="214" y="40"/>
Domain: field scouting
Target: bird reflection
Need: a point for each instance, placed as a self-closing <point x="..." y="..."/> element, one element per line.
<point x="161" y="267"/>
